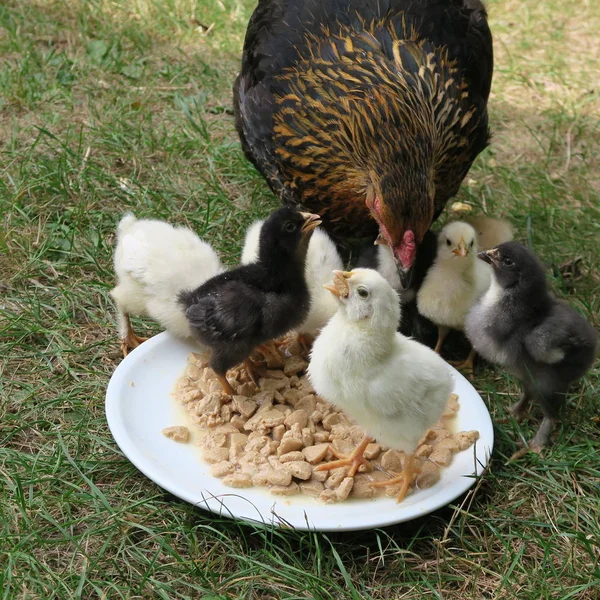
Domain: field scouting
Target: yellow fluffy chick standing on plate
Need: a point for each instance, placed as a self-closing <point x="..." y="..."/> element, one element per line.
<point x="455" y="281"/>
<point x="153" y="262"/>
<point x="393" y="387"/>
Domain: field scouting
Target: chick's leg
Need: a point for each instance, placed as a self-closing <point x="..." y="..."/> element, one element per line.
<point x="405" y="478"/>
<point x="129" y="340"/>
<point x="225" y="384"/>
<point x="353" y="461"/>
<point x="465" y="365"/>
<point x="442" y="334"/>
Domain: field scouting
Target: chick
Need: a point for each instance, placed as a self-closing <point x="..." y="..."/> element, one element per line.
<point x="392" y="386"/>
<point x="540" y="340"/>
<point x="322" y="258"/>
<point x="454" y="282"/>
<point x="490" y="232"/>
<point x="380" y="257"/>
<point x="153" y="262"/>
<point x="240" y="310"/>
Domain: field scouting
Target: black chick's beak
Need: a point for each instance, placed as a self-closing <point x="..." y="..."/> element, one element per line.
<point x="491" y="257"/>
<point x="311" y="222"/>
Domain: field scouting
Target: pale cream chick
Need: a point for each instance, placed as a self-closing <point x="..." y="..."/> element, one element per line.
<point x="153" y="262"/>
<point x="393" y="387"/>
<point x="455" y="281"/>
<point x="321" y="259"/>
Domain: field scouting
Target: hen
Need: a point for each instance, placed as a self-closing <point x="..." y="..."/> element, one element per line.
<point x="153" y="262"/>
<point x="392" y="386"/>
<point x="367" y="112"/>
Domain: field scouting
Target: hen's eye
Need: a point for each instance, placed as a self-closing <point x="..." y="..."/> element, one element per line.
<point x="289" y="227"/>
<point x="448" y="243"/>
<point x="507" y="262"/>
<point x="363" y="292"/>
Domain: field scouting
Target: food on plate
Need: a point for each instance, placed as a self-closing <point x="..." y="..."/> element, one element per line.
<point x="177" y="433"/>
<point x="276" y="433"/>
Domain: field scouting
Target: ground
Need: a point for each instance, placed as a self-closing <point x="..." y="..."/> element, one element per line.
<point x="108" y="106"/>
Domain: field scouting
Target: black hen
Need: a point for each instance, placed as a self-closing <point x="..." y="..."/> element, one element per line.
<point x="540" y="340"/>
<point x="367" y="112"/>
<point x="235" y="312"/>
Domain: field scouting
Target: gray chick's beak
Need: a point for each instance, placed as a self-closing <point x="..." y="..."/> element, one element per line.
<point x="491" y="256"/>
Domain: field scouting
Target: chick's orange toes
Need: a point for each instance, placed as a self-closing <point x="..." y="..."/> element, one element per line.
<point x="405" y="479"/>
<point x="354" y="461"/>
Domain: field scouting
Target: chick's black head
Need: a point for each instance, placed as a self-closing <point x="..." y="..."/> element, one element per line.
<point x="286" y="234"/>
<point x="515" y="265"/>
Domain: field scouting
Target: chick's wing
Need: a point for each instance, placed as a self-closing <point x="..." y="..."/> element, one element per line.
<point x="232" y="313"/>
<point x="563" y="332"/>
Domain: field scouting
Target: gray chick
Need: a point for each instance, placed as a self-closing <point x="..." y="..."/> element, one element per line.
<point x="540" y="340"/>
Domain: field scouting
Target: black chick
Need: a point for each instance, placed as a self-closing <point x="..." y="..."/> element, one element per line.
<point x="540" y="340"/>
<point x="380" y="258"/>
<point x="237" y="311"/>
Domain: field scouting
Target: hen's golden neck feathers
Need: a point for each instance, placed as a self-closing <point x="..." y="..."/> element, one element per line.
<point x="354" y="120"/>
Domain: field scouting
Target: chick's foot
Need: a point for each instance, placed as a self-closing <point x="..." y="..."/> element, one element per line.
<point x="271" y="355"/>
<point x="131" y="341"/>
<point x="354" y="461"/>
<point x="405" y="479"/>
<point x="538" y="442"/>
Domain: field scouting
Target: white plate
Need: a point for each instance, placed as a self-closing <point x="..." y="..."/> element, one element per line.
<point x="138" y="406"/>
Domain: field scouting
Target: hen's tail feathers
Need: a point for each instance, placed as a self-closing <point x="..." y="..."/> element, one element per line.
<point x="127" y="220"/>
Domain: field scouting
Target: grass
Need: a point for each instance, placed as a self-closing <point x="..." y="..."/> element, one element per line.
<point x="109" y="106"/>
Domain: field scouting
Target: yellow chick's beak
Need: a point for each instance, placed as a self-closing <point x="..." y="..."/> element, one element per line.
<point x="461" y="249"/>
<point x="340" y="287"/>
<point x="311" y="221"/>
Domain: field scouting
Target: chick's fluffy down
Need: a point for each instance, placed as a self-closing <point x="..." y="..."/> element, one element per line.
<point x="392" y="386"/>
<point x="154" y="261"/>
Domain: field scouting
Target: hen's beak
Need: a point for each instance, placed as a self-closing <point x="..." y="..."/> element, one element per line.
<point x="310" y="222"/>
<point x="340" y="287"/>
<point x="461" y="249"/>
<point x="491" y="257"/>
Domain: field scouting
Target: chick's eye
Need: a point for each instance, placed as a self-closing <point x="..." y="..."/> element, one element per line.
<point x="363" y="292"/>
<point x="448" y="243"/>
<point x="289" y="227"/>
<point x="471" y="244"/>
<point x="507" y="262"/>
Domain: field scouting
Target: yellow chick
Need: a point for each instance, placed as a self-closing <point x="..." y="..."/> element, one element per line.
<point x="392" y="386"/>
<point x="455" y="281"/>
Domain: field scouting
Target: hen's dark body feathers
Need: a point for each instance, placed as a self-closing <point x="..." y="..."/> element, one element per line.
<point x="333" y="90"/>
